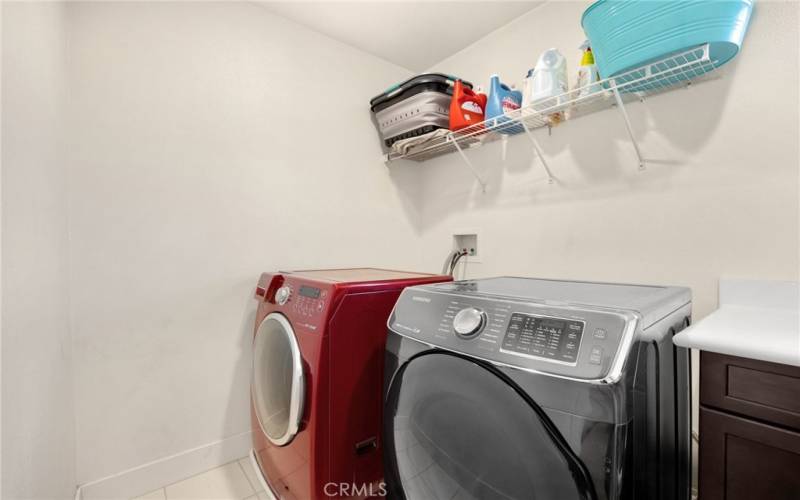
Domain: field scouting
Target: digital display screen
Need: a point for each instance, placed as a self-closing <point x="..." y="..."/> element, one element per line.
<point x="309" y="291"/>
<point x="550" y="338"/>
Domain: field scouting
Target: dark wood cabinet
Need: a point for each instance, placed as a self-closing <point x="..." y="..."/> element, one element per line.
<point x="749" y="429"/>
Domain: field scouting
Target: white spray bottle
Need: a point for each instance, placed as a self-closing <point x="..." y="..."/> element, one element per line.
<point x="588" y="75"/>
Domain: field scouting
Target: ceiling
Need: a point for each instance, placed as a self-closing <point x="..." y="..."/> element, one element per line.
<point x="412" y="34"/>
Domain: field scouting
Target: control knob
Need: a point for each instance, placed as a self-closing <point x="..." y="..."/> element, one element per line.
<point x="469" y="322"/>
<point x="282" y="295"/>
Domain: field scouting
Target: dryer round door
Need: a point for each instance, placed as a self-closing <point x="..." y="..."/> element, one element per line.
<point x="278" y="385"/>
<point x="456" y="427"/>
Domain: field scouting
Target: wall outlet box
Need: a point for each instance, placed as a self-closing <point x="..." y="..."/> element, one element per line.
<point x="467" y="241"/>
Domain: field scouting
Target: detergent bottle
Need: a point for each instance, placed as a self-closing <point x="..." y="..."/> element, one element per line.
<point x="466" y="107"/>
<point x="546" y="85"/>
<point x="503" y="100"/>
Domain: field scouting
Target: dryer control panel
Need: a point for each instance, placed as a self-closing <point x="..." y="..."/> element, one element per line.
<point x="560" y="339"/>
<point x="304" y="303"/>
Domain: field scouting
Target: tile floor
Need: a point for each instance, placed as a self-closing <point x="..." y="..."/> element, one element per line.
<point x="233" y="481"/>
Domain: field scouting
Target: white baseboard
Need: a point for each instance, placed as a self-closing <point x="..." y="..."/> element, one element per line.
<point x="158" y="473"/>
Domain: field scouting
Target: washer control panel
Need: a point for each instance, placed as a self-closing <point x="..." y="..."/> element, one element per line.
<point x="578" y="342"/>
<point x="557" y="339"/>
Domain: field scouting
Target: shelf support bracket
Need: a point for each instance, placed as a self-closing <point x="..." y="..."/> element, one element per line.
<point x="538" y="151"/>
<point x="469" y="163"/>
<point x="621" y="107"/>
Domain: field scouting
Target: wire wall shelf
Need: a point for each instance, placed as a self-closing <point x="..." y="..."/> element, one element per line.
<point x="675" y="71"/>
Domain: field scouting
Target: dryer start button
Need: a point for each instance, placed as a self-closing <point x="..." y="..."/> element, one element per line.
<point x="469" y="322"/>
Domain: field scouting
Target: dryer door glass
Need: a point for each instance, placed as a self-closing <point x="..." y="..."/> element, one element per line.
<point x="278" y="384"/>
<point x="458" y="428"/>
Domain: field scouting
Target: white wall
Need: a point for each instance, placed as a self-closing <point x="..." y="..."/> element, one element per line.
<point x="719" y="198"/>
<point x="38" y="430"/>
<point x="211" y="142"/>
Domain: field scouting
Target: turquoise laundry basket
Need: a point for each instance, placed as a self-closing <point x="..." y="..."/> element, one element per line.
<point x="625" y="35"/>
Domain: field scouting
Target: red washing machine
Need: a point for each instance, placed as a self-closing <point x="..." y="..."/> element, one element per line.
<point x="317" y="378"/>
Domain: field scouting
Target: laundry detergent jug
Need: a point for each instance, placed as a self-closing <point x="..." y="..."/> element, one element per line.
<point x="546" y="85"/>
<point x="466" y="107"/>
<point x="503" y="100"/>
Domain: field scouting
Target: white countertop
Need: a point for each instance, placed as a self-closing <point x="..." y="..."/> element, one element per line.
<point x="756" y="319"/>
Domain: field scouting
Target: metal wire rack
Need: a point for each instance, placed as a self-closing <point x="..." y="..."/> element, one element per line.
<point x="655" y="77"/>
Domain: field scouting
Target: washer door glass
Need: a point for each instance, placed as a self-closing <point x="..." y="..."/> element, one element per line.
<point x="457" y="428"/>
<point x="278" y="386"/>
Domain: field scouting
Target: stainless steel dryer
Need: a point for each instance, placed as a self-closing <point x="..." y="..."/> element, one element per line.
<point x="520" y="389"/>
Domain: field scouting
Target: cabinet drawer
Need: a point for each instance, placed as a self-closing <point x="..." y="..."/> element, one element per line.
<point x="766" y="391"/>
<point x="745" y="460"/>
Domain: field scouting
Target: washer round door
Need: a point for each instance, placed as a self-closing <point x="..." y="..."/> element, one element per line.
<point x="278" y="385"/>
<point x="458" y="428"/>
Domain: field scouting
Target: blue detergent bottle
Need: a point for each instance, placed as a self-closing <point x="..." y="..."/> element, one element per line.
<point x="502" y="99"/>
